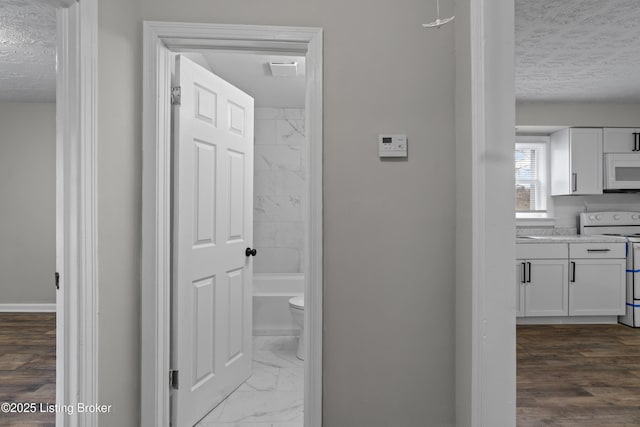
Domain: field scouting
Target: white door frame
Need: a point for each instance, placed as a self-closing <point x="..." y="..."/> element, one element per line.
<point x="76" y="209"/>
<point x="485" y="240"/>
<point x="160" y="38"/>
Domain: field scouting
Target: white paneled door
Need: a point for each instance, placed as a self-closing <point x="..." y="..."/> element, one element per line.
<point x="212" y="230"/>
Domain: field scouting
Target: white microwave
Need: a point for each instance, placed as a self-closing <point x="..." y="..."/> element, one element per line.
<point x="622" y="172"/>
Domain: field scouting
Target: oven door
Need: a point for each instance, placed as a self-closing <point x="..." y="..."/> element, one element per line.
<point x="633" y="272"/>
<point x="622" y="171"/>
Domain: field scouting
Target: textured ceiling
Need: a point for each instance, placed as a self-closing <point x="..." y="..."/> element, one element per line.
<point x="27" y="51"/>
<point x="566" y="50"/>
<point x="577" y="50"/>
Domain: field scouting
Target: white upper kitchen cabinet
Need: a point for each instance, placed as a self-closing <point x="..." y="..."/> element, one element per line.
<point x="621" y="140"/>
<point x="576" y="161"/>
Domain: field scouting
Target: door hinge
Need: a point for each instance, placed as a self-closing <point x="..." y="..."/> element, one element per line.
<point x="175" y="95"/>
<point x="57" y="280"/>
<point x="173" y="378"/>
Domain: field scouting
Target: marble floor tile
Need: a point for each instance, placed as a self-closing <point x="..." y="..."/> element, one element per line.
<point x="273" y="396"/>
<point x="291" y="379"/>
<point x="264" y="378"/>
<point x="277" y="359"/>
<point x="208" y="424"/>
<point x="259" y="406"/>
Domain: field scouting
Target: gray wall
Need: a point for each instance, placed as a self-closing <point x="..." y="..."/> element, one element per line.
<point x="464" y="218"/>
<point x="389" y="226"/>
<point x="119" y="208"/>
<point x="27" y="202"/>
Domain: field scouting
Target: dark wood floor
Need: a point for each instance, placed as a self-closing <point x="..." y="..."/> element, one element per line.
<point x="578" y="376"/>
<point x="568" y="375"/>
<point x="28" y="365"/>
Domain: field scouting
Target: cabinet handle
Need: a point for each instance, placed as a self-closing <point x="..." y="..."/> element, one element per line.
<point x="635" y="141"/>
<point x="573" y="272"/>
<point x="524" y="273"/>
<point x="598" y="250"/>
<point x="529" y="278"/>
<point x="574" y="178"/>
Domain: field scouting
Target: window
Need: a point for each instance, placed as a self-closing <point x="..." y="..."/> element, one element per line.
<point x="531" y="177"/>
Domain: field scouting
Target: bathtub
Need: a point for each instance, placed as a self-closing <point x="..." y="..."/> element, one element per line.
<point x="271" y="294"/>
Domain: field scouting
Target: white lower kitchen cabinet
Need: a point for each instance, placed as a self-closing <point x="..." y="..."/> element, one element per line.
<point x="570" y="283"/>
<point x="597" y="287"/>
<point x="542" y="287"/>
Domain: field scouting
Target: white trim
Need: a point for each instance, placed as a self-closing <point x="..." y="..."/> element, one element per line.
<point x="27" y="308"/>
<point x="479" y="195"/>
<point x="76" y="211"/>
<point x="158" y="38"/>
<point x="488" y="293"/>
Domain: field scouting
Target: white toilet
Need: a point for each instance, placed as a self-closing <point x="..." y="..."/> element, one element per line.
<point x="296" y="307"/>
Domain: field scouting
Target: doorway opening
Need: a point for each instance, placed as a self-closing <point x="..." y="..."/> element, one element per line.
<point x="76" y="333"/>
<point x="274" y="391"/>
<point x="27" y="211"/>
<point x="283" y="45"/>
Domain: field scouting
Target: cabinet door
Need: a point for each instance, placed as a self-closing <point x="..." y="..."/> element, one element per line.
<point x="520" y="285"/>
<point x="586" y="161"/>
<point x="546" y="290"/>
<point x="619" y="140"/>
<point x="597" y="288"/>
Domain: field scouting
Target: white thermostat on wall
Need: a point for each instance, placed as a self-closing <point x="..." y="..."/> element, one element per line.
<point x="392" y="145"/>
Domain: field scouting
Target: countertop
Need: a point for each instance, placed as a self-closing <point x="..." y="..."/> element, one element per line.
<point x="571" y="238"/>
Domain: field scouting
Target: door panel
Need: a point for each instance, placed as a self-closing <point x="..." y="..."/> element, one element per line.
<point x="212" y="198"/>
<point x="586" y="160"/>
<point x="599" y="288"/>
<point x="236" y="203"/>
<point x="205" y="193"/>
<point x="546" y="291"/>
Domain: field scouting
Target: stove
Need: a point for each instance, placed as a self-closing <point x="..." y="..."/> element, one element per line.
<point x="625" y="224"/>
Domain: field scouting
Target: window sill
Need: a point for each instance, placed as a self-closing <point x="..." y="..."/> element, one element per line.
<point x="535" y="221"/>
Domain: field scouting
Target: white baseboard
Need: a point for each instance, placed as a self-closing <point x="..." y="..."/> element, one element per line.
<point x="567" y="320"/>
<point x="27" y="308"/>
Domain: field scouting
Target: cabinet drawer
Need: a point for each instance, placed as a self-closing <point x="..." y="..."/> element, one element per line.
<point x="541" y="250"/>
<point x="597" y="250"/>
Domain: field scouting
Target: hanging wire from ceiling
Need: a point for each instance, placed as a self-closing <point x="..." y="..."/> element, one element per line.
<point x="439" y="22"/>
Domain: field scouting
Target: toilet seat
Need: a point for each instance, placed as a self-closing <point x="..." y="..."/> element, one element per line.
<point x="297" y="303"/>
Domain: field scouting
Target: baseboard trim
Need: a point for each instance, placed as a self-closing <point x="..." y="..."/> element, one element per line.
<point x="27" y="308"/>
<point x="567" y="320"/>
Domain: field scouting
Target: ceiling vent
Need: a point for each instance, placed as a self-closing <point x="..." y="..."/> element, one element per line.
<point x="284" y="69"/>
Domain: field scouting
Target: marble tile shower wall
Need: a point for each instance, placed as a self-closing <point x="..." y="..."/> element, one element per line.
<point x="279" y="189"/>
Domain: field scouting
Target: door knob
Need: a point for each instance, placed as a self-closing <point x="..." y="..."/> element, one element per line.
<point x="250" y="252"/>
